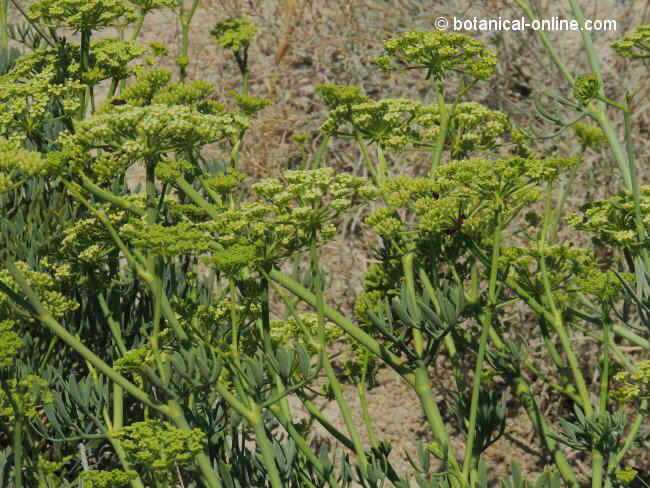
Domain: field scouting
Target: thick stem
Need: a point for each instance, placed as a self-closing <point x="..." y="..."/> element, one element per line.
<point x="50" y="322"/>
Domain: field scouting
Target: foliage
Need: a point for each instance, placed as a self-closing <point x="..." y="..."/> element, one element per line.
<point x="150" y="335"/>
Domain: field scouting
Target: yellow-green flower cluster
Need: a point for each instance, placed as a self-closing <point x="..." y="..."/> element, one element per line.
<point x="116" y="478"/>
<point x="110" y="59"/>
<point x="159" y="447"/>
<point x="385" y="122"/>
<point x="108" y="143"/>
<point x="571" y="270"/>
<point x="586" y="87"/>
<point x="634" y="386"/>
<point x="26" y="102"/>
<point x="626" y="475"/>
<point x="635" y="45"/>
<point x="400" y="123"/>
<point x="304" y="330"/>
<point x="10" y="343"/>
<point x="590" y="135"/>
<point x="88" y="241"/>
<point x="249" y="104"/>
<point x="472" y="127"/>
<point x="439" y="53"/>
<point x="146" y="6"/>
<point x="336" y="95"/>
<point x="146" y="85"/>
<point x="234" y="34"/>
<point x="83" y="14"/>
<point x="462" y="198"/>
<point x="17" y="164"/>
<point x="611" y="222"/>
<point x="45" y="285"/>
<point x="29" y="394"/>
<point x="292" y="211"/>
<point x="224" y="183"/>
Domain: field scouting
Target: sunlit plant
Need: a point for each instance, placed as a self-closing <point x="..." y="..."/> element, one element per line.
<point x="150" y="336"/>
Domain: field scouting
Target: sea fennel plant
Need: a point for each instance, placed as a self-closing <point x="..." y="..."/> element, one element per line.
<point x="151" y="337"/>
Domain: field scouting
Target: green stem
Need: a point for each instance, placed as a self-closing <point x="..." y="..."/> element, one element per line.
<point x="445" y="119"/>
<point x="267" y="450"/>
<point x="367" y="418"/>
<point x="4" y="25"/>
<point x="522" y="391"/>
<point x="525" y="6"/>
<point x="50" y="322"/>
<point x="340" y="320"/>
<point x="186" y="20"/>
<point x="17" y="436"/>
<point x="486" y="320"/>
<point x="327" y="364"/>
<point x="84" y="66"/>
<point x="376" y="177"/>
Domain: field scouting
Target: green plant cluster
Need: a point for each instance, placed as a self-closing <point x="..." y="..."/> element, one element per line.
<point x="180" y="331"/>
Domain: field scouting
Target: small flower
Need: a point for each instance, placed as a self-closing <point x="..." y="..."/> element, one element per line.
<point x="635" y="45"/>
<point x="585" y="88"/>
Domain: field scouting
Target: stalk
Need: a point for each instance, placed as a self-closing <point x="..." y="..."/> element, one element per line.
<point x="51" y="323"/>
<point x="4" y="25"/>
<point x="186" y="19"/>
<point x="522" y="390"/>
<point x="445" y="118"/>
<point x="327" y="364"/>
<point x="485" y="333"/>
<point x="84" y="65"/>
<point x="422" y="382"/>
<point x="17" y="438"/>
<point x="267" y="450"/>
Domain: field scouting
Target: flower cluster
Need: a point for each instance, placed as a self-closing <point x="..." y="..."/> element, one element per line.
<point x="29" y="395"/>
<point x="473" y="127"/>
<point x="463" y="196"/>
<point x="83" y="15"/>
<point x="635" y="45"/>
<point x="586" y="88"/>
<point x="116" y="478"/>
<point x="10" y="343"/>
<point x="47" y="286"/>
<point x="385" y="122"/>
<point x="234" y="34"/>
<point x="27" y="101"/>
<point x="159" y="447"/>
<point x="633" y="386"/>
<point x="88" y="242"/>
<point x="337" y="95"/>
<point x="611" y="222"/>
<point x="248" y="104"/>
<point x="571" y="270"/>
<point x="438" y="53"/>
<point x="109" y="143"/>
<point x="17" y="163"/>
<point x="292" y="212"/>
<point x="400" y="123"/>
<point x="110" y="59"/>
<point x="303" y="329"/>
<point x="590" y="136"/>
